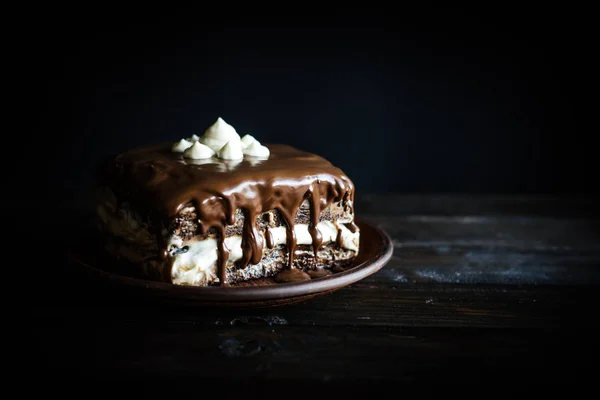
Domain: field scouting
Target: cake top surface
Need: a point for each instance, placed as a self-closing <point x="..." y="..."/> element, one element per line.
<point x="164" y="181"/>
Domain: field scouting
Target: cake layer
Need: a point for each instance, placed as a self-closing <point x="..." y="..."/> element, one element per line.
<point x="193" y="258"/>
<point x="275" y="261"/>
<point x="185" y="225"/>
<point x="197" y="263"/>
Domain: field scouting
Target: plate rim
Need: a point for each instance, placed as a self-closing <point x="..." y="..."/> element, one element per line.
<point x="263" y="292"/>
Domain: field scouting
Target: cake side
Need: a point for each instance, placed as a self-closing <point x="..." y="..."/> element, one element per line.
<point x="192" y="257"/>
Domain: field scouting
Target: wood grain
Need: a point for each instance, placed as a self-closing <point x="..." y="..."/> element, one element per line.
<point x="266" y="354"/>
<point x="368" y="303"/>
<point x="488" y="289"/>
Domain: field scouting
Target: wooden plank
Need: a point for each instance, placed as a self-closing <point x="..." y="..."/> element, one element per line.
<point x="268" y="355"/>
<point x="485" y="289"/>
<point x="516" y="233"/>
<point x="475" y="266"/>
<point x="366" y="303"/>
<point x="482" y="249"/>
<point x="392" y="204"/>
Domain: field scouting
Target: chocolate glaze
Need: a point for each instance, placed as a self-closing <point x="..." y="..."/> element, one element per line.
<point x="223" y="255"/>
<point x="315" y="211"/>
<point x="269" y="237"/>
<point x="338" y="268"/>
<point x="162" y="183"/>
<point x="351" y="227"/>
<point x="291" y="275"/>
<point x="318" y="273"/>
<point x="338" y="238"/>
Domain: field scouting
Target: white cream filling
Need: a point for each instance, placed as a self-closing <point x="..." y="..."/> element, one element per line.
<point x="198" y="266"/>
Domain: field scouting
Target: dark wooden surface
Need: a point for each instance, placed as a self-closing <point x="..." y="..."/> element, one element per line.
<point x="480" y="289"/>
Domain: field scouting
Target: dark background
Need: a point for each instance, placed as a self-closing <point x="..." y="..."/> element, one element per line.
<point x="412" y="101"/>
<point x="439" y="100"/>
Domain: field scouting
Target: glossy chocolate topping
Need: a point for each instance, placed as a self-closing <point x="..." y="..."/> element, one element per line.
<point x="162" y="182"/>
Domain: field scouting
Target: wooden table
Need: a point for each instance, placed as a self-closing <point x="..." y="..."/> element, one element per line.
<point x="480" y="289"/>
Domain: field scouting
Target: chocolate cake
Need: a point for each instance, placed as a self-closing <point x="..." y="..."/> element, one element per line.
<point x="220" y="209"/>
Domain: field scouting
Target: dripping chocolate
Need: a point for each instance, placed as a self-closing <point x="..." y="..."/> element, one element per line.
<point x="239" y="220"/>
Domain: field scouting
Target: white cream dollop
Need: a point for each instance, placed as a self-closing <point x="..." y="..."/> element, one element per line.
<point x="256" y="149"/>
<point x="231" y="151"/>
<point x="247" y="140"/>
<point x="198" y="151"/>
<point x="218" y="134"/>
<point x="181" y="146"/>
<point x="220" y="139"/>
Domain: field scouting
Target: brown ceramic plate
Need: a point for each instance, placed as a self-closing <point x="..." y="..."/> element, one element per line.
<point x="375" y="251"/>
